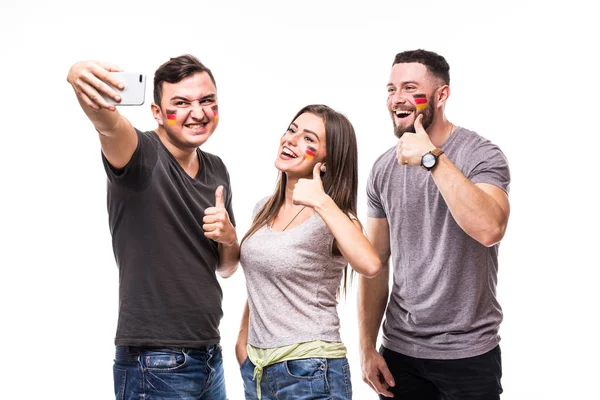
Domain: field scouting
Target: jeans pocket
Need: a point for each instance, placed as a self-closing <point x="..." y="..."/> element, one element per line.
<point x="164" y="360"/>
<point x="120" y="380"/>
<point x="244" y="363"/>
<point x="308" y="368"/>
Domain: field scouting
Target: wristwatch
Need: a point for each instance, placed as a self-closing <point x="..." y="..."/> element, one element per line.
<point x="429" y="159"/>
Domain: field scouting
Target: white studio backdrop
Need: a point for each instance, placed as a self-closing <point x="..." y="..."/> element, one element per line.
<point x="521" y="75"/>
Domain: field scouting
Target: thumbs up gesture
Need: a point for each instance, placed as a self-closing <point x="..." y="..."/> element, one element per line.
<point x="309" y="192"/>
<point x="412" y="146"/>
<point x="217" y="225"/>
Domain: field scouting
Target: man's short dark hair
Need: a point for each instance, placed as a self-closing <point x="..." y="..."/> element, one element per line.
<point x="175" y="70"/>
<point x="436" y="64"/>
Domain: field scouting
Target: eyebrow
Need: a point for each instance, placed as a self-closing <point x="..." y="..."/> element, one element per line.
<point x="306" y="130"/>
<point x="405" y="83"/>
<point x="207" y="97"/>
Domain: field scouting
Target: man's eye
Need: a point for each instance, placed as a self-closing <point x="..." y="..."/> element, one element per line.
<point x="180" y="103"/>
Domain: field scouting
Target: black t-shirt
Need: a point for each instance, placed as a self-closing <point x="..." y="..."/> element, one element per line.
<point x="168" y="290"/>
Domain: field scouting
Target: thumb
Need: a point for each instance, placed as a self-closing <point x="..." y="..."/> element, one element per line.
<point x="219" y="203"/>
<point x="387" y="375"/>
<point x="317" y="172"/>
<point x="419" y="124"/>
<point x="110" y="67"/>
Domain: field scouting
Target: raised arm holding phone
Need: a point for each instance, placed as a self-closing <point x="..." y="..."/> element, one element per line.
<point x="172" y="224"/>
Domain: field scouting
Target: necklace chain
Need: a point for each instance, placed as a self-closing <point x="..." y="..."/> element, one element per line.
<point x="302" y="209"/>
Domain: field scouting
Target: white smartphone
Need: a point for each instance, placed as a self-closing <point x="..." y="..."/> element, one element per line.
<point x="135" y="89"/>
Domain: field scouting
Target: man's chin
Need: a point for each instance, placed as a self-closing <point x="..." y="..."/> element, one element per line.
<point x="401" y="131"/>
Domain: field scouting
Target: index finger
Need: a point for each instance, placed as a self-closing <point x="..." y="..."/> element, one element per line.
<point x="95" y="79"/>
<point x="105" y="74"/>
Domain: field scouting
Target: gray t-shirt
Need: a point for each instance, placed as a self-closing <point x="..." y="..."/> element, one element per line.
<point x="168" y="291"/>
<point x="292" y="278"/>
<point x="443" y="300"/>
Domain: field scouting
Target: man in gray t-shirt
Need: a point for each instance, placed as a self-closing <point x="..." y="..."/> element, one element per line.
<point x="438" y="205"/>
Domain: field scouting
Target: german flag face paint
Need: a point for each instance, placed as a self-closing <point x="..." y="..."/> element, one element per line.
<point x="310" y="152"/>
<point x="215" y="110"/>
<point x="420" y="101"/>
<point x="171" y="117"/>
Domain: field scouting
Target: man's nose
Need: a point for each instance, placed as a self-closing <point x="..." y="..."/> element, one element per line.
<point x="197" y="111"/>
<point x="398" y="98"/>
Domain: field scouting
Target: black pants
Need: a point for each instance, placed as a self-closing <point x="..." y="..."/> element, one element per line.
<point x="473" y="378"/>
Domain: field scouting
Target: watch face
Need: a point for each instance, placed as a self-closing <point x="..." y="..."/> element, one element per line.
<point x="428" y="160"/>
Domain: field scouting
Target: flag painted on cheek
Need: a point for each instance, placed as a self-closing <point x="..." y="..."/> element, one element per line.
<point x="310" y="152"/>
<point x="420" y="101"/>
<point x="171" y="117"/>
<point x="216" y="112"/>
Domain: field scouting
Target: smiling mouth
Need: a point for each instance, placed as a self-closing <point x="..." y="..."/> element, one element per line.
<point x="403" y="113"/>
<point x="195" y="126"/>
<point x="289" y="153"/>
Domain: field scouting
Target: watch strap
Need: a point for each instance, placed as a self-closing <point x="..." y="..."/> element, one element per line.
<point x="437" y="152"/>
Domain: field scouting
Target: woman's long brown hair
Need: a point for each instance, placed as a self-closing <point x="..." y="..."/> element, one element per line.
<point x="340" y="181"/>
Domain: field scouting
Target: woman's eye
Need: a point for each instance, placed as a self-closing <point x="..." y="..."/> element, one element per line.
<point x="308" y="139"/>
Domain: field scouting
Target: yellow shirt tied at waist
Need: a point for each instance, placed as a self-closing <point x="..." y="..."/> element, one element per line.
<point x="262" y="358"/>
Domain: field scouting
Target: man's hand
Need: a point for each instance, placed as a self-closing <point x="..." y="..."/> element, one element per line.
<point x="412" y="146"/>
<point x="217" y="225"/>
<point x="376" y="373"/>
<point x="88" y="80"/>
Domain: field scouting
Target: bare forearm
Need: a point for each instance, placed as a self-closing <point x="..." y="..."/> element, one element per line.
<point x="350" y="240"/>
<point x="475" y="211"/>
<point x="105" y="121"/>
<point x="229" y="257"/>
<point x="243" y="334"/>
<point x="242" y="340"/>
<point x="117" y="136"/>
<point x="372" y="301"/>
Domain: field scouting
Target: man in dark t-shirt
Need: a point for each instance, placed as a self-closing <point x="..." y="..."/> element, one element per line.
<point x="172" y="226"/>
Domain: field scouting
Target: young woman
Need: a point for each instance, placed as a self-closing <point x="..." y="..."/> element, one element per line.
<point x="295" y="256"/>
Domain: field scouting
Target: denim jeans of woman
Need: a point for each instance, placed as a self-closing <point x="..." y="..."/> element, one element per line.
<point x="306" y="379"/>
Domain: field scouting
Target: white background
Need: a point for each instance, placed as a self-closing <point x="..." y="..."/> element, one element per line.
<point x="521" y="75"/>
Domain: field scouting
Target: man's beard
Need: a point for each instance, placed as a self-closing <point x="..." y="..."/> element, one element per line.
<point x="428" y="115"/>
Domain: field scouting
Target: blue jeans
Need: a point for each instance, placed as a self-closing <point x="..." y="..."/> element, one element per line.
<point x="307" y="379"/>
<point x="169" y="373"/>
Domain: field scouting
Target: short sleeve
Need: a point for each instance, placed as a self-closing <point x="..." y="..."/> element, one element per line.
<point x="490" y="166"/>
<point x="229" y="198"/>
<point x="374" y="206"/>
<point x="136" y="174"/>
<point x="259" y="205"/>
